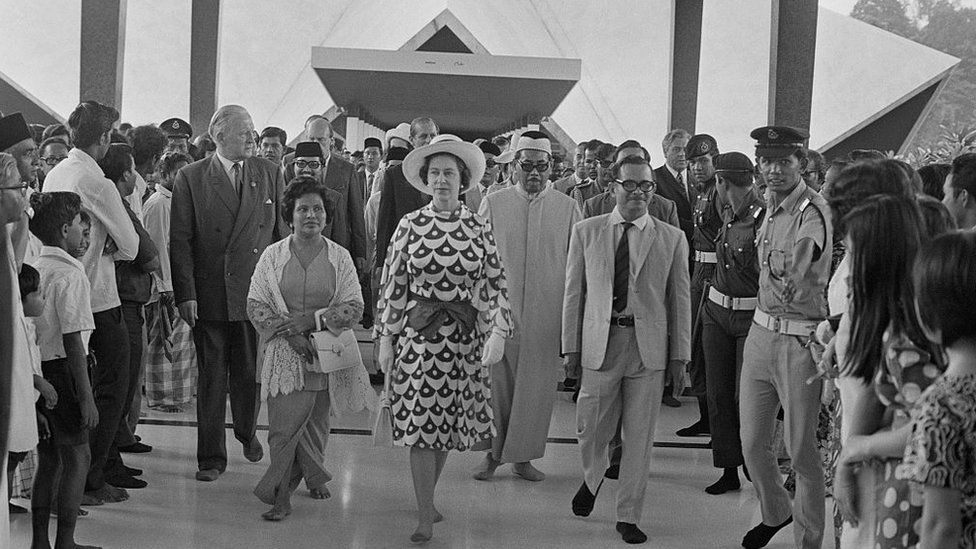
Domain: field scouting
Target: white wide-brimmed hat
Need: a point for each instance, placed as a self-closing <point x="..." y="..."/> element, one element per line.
<point x="469" y="153"/>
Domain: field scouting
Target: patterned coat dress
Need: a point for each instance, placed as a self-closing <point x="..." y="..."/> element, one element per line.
<point x="440" y="392"/>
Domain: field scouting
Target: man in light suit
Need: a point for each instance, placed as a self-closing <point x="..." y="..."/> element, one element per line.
<point x="626" y="326"/>
<point x="225" y="211"/>
<point x="658" y="206"/>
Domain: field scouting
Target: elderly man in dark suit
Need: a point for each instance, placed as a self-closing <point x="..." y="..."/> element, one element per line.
<point x="225" y="212"/>
<point x="340" y="176"/>
<point x="673" y="180"/>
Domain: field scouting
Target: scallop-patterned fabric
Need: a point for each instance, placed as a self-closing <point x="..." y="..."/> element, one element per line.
<point x="440" y="392"/>
<point x="907" y="371"/>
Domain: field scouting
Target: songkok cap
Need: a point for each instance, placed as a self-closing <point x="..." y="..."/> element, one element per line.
<point x="402" y="131"/>
<point x="397" y="153"/>
<point x="471" y="155"/>
<point x="13" y="130"/>
<point x="732" y="162"/>
<point x="489" y="147"/>
<point x="700" y="145"/>
<point x="176" y="127"/>
<point x="372" y="142"/>
<point x="778" y="141"/>
<point x="308" y="149"/>
<point x="530" y="141"/>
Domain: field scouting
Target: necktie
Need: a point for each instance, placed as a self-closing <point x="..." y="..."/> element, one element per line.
<point x="621" y="270"/>
<point x="684" y="186"/>
<point x="237" y="178"/>
<point x="369" y="186"/>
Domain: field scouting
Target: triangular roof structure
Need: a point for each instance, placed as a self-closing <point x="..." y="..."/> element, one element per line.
<point x="862" y="74"/>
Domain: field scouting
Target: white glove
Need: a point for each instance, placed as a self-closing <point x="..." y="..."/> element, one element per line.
<point x="494" y="349"/>
<point x="385" y="357"/>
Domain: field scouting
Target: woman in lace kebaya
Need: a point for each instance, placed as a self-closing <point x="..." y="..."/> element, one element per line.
<point x="294" y="278"/>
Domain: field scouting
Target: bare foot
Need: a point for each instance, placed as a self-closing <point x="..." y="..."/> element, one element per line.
<point x="423" y="533"/>
<point x="320" y="493"/>
<point x="109" y="494"/>
<point x="438" y="517"/>
<point x="76" y="546"/>
<point x="278" y="512"/>
<point x="486" y="469"/>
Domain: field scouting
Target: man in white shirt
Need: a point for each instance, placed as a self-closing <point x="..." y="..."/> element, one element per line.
<point x="113" y="237"/>
<point x="372" y="154"/>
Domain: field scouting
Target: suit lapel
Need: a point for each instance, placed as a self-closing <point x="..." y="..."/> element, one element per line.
<point x="222" y="185"/>
<point x="610" y="245"/>
<point x="249" y="195"/>
<point x="647" y="238"/>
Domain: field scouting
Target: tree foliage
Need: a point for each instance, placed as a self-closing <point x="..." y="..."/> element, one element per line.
<point x="947" y="26"/>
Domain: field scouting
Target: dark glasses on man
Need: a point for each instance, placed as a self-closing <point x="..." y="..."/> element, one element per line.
<point x="302" y="164"/>
<point x="631" y="185"/>
<point x="540" y="167"/>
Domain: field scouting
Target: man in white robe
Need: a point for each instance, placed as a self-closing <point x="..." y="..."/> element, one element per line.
<point x="531" y="223"/>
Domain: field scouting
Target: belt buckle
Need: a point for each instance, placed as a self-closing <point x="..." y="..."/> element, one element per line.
<point x="776" y="324"/>
<point x="729" y="302"/>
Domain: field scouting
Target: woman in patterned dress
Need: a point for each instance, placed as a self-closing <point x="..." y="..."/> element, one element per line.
<point x="941" y="454"/>
<point x="888" y="349"/>
<point x="443" y="319"/>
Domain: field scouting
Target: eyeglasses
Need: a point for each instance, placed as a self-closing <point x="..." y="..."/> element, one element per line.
<point x="490" y="163"/>
<point x="53" y="160"/>
<point x="630" y="185"/>
<point x="302" y="164"/>
<point x="527" y="167"/>
<point x="595" y="161"/>
<point x="22" y="188"/>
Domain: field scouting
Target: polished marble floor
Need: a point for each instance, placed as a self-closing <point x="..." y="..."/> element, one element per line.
<point x="373" y="505"/>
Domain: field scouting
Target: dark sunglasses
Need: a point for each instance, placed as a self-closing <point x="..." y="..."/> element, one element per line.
<point x="527" y="167"/>
<point x="53" y="160"/>
<point x="630" y="185"/>
<point x="302" y="164"/>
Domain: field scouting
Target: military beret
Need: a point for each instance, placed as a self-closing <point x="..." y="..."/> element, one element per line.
<point x="397" y="153"/>
<point x="13" y="130"/>
<point x="372" y="142"/>
<point x="732" y="162"/>
<point x="175" y="127"/>
<point x="700" y="145"/>
<point x="308" y="149"/>
<point x="489" y="147"/>
<point x="778" y="141"/>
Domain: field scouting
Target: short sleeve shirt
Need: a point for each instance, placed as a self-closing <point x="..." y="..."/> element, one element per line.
<point x="737" y="270"/>
<point x="67" y="302"/>
<point x="786" y="289"/>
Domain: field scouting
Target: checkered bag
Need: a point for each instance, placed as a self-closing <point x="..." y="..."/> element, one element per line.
<point x="171" y="364"/>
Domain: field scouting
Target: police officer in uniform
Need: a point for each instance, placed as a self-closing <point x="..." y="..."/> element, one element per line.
<point x="699" y="152"/>
<point x="178" y="133"/>
<point x="727" y="312"/>
<point x="794" y="245"/>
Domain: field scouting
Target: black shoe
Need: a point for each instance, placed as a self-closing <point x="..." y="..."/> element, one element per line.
<point x="613" y="472"/>
<point x="697" y="429"/>
<point x="631" y="533"/>
<point x="135" y="448"/>
<point x="132" y="471"/>
<point x="583" y="500"/>
<point x="727" y="483"/>
<point x="670" y="401"/>
<point x="758" y="537"/>
<point x="125" y="481"/>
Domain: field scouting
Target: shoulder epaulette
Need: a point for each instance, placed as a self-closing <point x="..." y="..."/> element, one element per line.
<point x="803" y="205"/>
<point x="759" y="211"/>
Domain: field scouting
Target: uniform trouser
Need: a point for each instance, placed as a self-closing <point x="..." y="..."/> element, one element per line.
<point x="775" y="368"/>
<point x="109" y="344"/>
<point x="724" y="334"/>
<point x="622" y="390"/>
<point x="226" y="353"/>
<point x="702" y="275"/>
<point x="134" y="322"/>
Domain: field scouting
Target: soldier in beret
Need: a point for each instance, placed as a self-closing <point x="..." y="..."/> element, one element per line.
<point x="726" y="313"/>
<point x="794" y="246"/>
<point x="699" y="152"/>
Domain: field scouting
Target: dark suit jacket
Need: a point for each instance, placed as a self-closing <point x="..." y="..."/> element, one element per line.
<point x="216" y="238"/>
<point x="659" y="207"/>
<point x="397" y="199"/>
<point x="668" y="187"/>
<point x="565" y="184"/>
<point x="349" y="225"/>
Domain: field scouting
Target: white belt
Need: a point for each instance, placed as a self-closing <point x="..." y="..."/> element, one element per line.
<point x="784" y="325"/>
<point x="706" y="257"/>
<point x="734" y="303"/>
